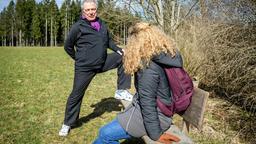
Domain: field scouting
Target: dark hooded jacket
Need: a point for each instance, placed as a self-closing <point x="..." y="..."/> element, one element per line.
<point x="143" y="117"/>
<point x="87" y="46"/>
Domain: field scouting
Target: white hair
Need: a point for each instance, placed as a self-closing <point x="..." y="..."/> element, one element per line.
<point x="88" y="1"/>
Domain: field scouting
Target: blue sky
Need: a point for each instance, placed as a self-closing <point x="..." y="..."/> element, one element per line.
<point x="4" y="3"/>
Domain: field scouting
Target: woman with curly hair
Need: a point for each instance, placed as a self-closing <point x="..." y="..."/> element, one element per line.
<point x="148" y="50"/>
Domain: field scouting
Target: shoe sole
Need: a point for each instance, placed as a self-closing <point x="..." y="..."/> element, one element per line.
<point x="63" y="135"/>
<point x="123" y="99"/>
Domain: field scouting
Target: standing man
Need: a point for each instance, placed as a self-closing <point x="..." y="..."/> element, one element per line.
<point x="87" y="45"/>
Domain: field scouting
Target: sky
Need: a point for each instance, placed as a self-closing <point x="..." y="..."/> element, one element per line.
<point x="5" y="3"/>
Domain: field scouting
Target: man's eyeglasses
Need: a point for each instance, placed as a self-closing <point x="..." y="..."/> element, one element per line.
<point x="92" y="9"/>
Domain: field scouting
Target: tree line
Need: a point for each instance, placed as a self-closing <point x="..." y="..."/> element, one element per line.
<point x="28" y="23"/>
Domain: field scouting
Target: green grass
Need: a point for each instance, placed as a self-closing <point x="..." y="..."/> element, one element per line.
<point x="35" y="84"/>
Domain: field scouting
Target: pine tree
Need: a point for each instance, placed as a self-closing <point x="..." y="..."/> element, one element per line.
<point x="64" y="18"/>
<point x="20" y="20"/>
<point x="36" y="32"/>
<point x="3" y="27"/>
<point x="10" y="13"/>
<point x="74" y="11"/>
<point x="53" y="22"/>
<point x="29" y="6"/>
<point x="46" y="4"/>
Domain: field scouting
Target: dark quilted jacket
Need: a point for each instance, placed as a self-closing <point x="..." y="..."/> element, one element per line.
<point x="150" y="83"/>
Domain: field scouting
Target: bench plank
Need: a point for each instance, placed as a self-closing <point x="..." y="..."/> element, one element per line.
<point x="195" y="112"/>
<point x="174" y="130"/>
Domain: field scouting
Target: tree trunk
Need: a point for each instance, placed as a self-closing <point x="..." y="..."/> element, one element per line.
<point x="55" y="40"/>
<point x="177" y="22"/>
<point x="51" y="33"/>
<point x="203" y="9"/>
<point x="159" y="15"/>
<point x="124" y="35"/>
<point x="16" y="40"/>
<point x="12" y="35"/>
<point x="68" y="26"/>
<point x="66" y="23"/>
<point x="178" y="16"/>
<point x="173" y="14"/>
<point x="4" y="41"/>
<point x="46" y="32"/>
<point x="20" y="38"/>
<point x="55" y="34"/>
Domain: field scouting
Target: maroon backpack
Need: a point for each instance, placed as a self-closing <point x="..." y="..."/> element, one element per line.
<point x="182" y="90"/>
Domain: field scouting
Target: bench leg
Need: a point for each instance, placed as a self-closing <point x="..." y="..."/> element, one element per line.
<point x="185" y="126"/>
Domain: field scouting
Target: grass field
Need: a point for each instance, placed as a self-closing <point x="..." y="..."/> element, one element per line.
<point x="35" y="83"/>
<point x="34" y="86"/>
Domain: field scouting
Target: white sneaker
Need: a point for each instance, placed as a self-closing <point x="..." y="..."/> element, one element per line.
<point x="123" y="95"/>
<point x="64" y="130"/>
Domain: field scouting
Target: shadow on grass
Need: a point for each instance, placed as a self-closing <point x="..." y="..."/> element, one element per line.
<point x="105" y="105"/>
<point x="133" y="141"/>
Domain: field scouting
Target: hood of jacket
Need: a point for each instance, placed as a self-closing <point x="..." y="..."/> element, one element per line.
<point x="168" y="61"/>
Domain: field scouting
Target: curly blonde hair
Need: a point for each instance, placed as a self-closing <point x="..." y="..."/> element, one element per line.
<point x="145" y="41"/>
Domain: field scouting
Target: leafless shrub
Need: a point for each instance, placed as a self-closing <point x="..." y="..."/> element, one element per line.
<point x="223" y="57"/>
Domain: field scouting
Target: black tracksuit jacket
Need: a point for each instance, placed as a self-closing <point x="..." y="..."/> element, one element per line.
<point x="87" y="46"/>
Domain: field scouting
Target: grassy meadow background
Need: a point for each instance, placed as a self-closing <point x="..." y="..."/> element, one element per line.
<point x="35" y="84"/>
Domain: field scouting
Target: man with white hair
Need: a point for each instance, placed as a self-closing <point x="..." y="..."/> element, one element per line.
<point x="87" y="45"/>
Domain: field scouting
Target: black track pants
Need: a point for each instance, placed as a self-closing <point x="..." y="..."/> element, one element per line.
<point x="82" y="80"/>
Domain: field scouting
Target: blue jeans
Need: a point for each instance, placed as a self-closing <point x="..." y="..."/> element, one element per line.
<point x="111" y="133"/>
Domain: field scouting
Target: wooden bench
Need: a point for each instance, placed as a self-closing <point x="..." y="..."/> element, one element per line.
<point x="193" y="116"/>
